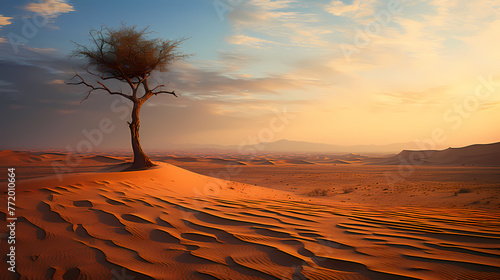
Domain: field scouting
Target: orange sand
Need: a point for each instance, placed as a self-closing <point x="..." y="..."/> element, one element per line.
<point x="170" y="223"/>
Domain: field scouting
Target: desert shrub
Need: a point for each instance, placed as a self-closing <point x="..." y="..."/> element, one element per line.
<point x="318" y="192"/>
<point x="464" y="190"/>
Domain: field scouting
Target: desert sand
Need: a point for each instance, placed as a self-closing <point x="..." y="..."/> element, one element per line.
<point x="272" y="217"/>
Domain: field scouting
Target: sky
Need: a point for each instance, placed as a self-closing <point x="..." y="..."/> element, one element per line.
<point x="327" y="71"/>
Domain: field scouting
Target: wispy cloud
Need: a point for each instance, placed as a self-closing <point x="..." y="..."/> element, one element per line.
<point x="429" y="97"/>
<point x="50" y="8"/>
<point x="56" y="82"/>
<point x="280" y="21"/>
<point x="249" y="41"/>
<point x="356" y="9"/>
<point x="218" y="85"/>
<point x="486" y="106"/>
<point x="5" y="20"/>
<point x="258" y="13"/>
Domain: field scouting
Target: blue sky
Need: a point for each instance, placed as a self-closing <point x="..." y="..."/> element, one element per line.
<point x="169" y="19"/>
<point x="351" y="72"/>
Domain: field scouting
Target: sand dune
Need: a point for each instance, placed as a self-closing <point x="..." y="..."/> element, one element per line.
<point x="295" y="161"/>
<point x="224" y="161"/>
<point x="474" y="155"/>
<point x="260" y="159"/>
<point x="19" y="158"/>
<point x="172" y="158"/>
<point x="262" y="162"/>
<point x="169" y="223"/>
<point x="105" y="159"/>
<point x="338" y="161"/>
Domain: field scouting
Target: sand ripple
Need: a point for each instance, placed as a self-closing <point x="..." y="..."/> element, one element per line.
<point x="149" y="233"/>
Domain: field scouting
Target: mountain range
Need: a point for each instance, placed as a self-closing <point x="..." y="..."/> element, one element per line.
<point x="473" y="155"/>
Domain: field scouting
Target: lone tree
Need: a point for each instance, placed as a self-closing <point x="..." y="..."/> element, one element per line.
<point x="128" y="55"/>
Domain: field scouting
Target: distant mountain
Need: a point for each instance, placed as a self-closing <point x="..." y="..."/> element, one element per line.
<point x="288" y="146"/>
<point x="473" y="155"/>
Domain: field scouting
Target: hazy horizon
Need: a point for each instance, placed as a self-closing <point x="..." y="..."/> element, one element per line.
<point x="263" y="148"/>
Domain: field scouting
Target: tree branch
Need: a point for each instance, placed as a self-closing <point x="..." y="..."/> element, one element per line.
<point x="157" y="87"/>
<point x="164" y="91"/>
<point x="148" y="92"/>
<point x="102" y="77"/>
<point x="93" y="88"/>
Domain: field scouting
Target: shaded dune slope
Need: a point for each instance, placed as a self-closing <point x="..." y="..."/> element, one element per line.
<point x="476" y="155"/>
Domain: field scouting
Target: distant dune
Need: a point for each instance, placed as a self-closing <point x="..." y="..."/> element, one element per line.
<point x="106" y="159"/>
<point x="474" y="155"/>
<point x="181" y="159"/>
<point x="19" y="158"/>
<point x="295" y="161"/>
<point x="262" y="162"/>
<point x="224" y="161"/>
<point x="290" y="146"/>
<point x="339" y="162"/>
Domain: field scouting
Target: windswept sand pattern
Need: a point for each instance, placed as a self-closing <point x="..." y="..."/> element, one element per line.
<point x="140" y="227"/>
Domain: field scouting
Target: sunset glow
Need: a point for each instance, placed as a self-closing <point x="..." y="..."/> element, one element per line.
<point x="350" y="72"/>
<point x="250" y="139"/>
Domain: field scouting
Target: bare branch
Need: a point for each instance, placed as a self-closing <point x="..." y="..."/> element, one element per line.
<point x="113" y="92"/>
<point x="150" y="92"/>
<point x="164" y="91"/>
<point x="100" y="76"/>
<point x="93" y="88"/>
<point x="157" y="87"/>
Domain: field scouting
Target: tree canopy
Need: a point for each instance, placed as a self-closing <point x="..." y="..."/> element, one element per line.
<point x="126" y="53"/>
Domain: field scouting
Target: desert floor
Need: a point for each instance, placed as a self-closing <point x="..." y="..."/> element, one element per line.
<point x="304" y="218"/>
<point x="370" y="184"/>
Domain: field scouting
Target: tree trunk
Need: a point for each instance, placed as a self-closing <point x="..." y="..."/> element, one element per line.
<point x="141" y="160"/>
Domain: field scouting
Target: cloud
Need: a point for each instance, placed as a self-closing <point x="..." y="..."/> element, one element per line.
<point x="5" y="20"/>
<point x="460" y="16"/>
<point x="280" y="22"/>
<point x="338" y="8"/>
<point x="486" y="106"/>
<point x="6" y="87"/>
<point x="204" y="84"/>
<point x="249" y="41"/>
<point x="48" y="58"/>
<point x="256" y="13"/>
<point x="357" y="9"/>
<point x="50" y="8"/>
<point x="43" y="50"/>
<point x="412" y="36"/>
<point x="234" y="61"/>
<point x="429" y="97"/>
<point x="56" y="82"/>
